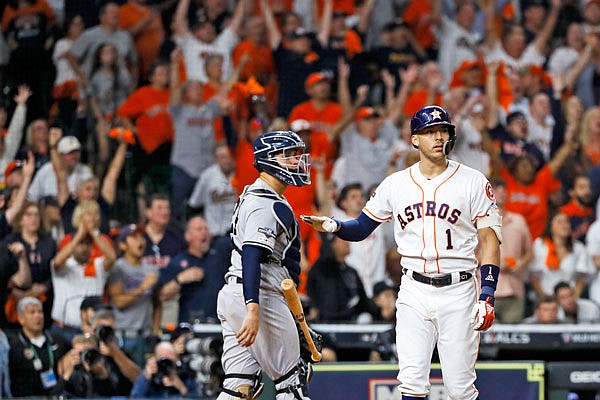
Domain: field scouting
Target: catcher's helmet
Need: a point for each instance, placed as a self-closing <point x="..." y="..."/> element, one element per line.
<point x="269" y="145"/>
<point x="431" y="116"/>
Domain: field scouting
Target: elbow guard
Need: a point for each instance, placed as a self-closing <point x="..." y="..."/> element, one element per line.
<point x="492" y="220"/>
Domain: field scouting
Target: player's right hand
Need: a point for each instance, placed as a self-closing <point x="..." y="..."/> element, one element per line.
<point x="247" y="333"/>
<point x="322" y="224"/>
<point x="483" y="315"/>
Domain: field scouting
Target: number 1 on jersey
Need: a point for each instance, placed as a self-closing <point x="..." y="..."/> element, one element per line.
<point x="449" y="239"/>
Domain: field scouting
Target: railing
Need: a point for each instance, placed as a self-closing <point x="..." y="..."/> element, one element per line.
<point x="550" y="342"/>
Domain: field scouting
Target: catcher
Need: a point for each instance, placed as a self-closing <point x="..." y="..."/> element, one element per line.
<point x="259" y="331"/>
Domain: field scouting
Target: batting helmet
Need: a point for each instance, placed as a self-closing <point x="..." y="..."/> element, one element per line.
<point x="269" y="145"/>
<point x="431" y="116"/>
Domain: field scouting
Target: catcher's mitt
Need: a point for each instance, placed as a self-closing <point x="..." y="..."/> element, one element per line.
<point x="304" y="349"/>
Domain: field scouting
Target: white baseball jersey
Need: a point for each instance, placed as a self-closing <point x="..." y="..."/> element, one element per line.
<point x="435" y="219"/>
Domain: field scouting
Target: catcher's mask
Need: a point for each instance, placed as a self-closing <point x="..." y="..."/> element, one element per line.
<point x="432" y="116"/>
<point x="282" y="155"/>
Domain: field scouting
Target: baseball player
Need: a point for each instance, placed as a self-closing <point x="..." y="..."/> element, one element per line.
<point x="259" y="332"/>
<point x="440" y="209"/>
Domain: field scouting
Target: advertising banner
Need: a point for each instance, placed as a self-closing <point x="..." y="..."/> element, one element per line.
<point x="377" y="381"/>
<point x="573" y="375"/>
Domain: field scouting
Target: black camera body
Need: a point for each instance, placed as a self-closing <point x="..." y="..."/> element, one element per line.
<point x="165" y="367"/>
<point x="105" y="333"/>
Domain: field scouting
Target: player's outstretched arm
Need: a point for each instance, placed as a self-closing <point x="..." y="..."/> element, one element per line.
<point x="353" y="230"/>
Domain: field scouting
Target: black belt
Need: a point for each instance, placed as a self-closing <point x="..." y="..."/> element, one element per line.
<point x="441" y="280"/>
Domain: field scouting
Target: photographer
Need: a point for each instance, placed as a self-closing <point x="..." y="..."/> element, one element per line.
<point x="89" y="373"/>
<point x="72" y="359"/>
<point x="164" y="376"/>
<point x="104" y="328"/>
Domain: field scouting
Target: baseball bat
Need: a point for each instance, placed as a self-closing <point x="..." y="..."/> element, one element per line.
<point x="291" y="295"/>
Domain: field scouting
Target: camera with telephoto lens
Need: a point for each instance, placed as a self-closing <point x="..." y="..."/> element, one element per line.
<point x="91" y="356"/>
<point x="203" y="358"/>
<point x="105" y="333"/>
<point x="209" y="346"/>
<point x="206" y="365"/>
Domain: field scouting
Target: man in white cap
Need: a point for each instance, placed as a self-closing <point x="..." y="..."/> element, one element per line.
<point x="67" y="152"/>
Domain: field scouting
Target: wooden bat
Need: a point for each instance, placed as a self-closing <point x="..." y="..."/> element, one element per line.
<point x="291" y="295"/>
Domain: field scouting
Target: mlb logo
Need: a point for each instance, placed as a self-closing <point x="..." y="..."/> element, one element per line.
<point x="387" y="389"/>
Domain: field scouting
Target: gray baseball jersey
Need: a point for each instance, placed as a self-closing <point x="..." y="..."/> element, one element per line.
<point x="255" y="222"/>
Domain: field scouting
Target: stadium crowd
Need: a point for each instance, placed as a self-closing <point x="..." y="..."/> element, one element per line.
<point x="127" y="131"/>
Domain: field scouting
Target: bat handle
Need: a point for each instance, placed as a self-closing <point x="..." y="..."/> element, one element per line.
<point x="316" y="356"/>
<point x="314" y="353"/>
